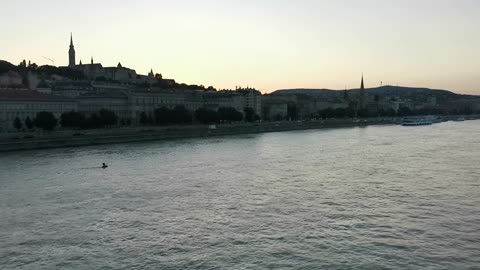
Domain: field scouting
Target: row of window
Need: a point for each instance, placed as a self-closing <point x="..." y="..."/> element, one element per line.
<point x="10" y="116"/>
<point x="36" y="106"/>
<point x="158" y="101"/>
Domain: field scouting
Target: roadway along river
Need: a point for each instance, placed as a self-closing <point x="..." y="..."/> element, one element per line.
<point x="384" y="197"/>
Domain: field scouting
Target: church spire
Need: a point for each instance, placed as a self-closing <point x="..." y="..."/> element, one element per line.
<point x="71" y="53"/>
<point x="362" y="94"/>
<point x="362" y="86"/>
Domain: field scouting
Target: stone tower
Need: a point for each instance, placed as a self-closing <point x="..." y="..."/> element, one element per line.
<point x="71" y="53"/>
<point x="362" y="94"/>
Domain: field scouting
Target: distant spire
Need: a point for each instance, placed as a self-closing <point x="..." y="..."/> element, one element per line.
<point x="80" y="62"/>
<point x="362" y="86"/>
<point x="362" y="94"/>
<point x="91" y="61"/>
<point x="71" y="53"/>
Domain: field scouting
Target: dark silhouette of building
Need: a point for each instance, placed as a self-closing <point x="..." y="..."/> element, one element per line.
<point x="362" y="94"/>
<point x="71" y="53"/>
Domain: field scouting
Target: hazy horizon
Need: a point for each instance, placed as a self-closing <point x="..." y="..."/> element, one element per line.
<point x="266" y="44"/>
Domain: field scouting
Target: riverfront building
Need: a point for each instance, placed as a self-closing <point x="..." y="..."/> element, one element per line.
<point x="140" y="100"/>
<point x="128" y="104"/>
<point x="27" y="103"/>
<point x="118" y="89"/>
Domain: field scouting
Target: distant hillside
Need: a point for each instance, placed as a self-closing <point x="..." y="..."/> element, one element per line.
<point x="6" y="67"/>
<point x="393" y="91"/>
<point x="305" y="91"/>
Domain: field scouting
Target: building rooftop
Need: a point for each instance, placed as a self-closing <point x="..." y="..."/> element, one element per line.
<point x="104" y="94"/>
<point x="13" y="94"/>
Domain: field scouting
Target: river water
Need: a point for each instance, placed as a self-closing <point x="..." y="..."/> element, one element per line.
<point x="383" y="197"/>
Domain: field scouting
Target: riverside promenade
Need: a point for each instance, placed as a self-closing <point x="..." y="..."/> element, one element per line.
<point x="75" y="138"/>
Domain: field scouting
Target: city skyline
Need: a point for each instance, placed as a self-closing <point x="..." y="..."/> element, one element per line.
<point x="269" y="45"/>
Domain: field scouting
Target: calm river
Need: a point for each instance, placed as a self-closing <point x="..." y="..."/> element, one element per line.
<point x="386" y="197"/>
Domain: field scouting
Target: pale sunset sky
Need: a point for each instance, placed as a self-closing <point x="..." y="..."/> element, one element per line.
<point x="266" y="44"/>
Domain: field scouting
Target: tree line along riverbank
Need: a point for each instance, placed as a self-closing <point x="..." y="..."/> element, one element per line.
<point x="74" y="138"/>
<point x="70" y="138"/>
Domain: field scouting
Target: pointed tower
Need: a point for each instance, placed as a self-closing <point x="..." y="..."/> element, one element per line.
<point x="91" y="61"/>
<point x="362" y="94"/>
<point x="71" y="53"/>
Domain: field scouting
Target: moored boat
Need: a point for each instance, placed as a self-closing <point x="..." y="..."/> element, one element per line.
<point x="417" y="121"/>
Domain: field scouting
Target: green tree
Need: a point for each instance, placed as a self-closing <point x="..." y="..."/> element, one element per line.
<point x="17" y="123"/>
<point x="45" y="120"/>
<point x="249" y="114"/>
<point x="163" y="116"/>
<point x="229" y="114"/>
<point x="181" y="115"/>
<point x="292" y="111"/>
<point x="386" y="112"/>
<point x="206" y="116"/>
<point x="29" y="123"/>
<point x="144" y="119"/>
<point x="94" y="121"/>
<point x="107" y="117"/>
<point x="72" y="119"/>
<point x="23" y="64"/>
<point x="327" y="113"/>
<point x="340" y="113"/>
<point x="404" y="111"/>
<point x="61" y="71"/>
<point x="364" y="113"/>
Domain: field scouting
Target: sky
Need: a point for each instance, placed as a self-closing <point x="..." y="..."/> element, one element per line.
<point x="266" y="44"/>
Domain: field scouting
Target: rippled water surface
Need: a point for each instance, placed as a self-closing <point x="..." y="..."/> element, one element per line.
<point x="386" y="197"/>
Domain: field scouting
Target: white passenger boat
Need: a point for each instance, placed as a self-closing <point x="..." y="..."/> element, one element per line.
<point x="417" y="121"/>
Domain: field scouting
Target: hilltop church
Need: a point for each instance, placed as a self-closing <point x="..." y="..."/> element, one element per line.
<point x="95" y="71"/>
